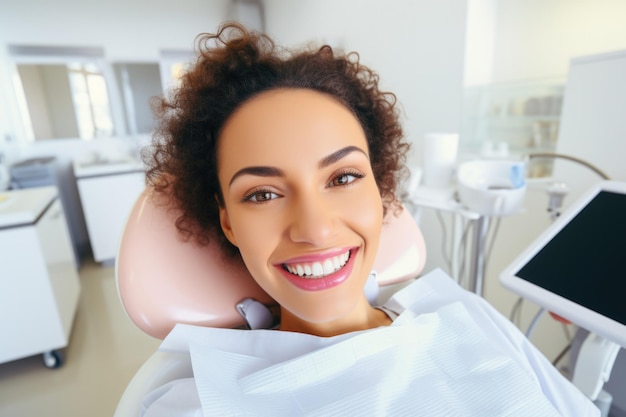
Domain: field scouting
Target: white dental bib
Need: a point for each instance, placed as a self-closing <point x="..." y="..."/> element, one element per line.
<point x="448" y="353"/>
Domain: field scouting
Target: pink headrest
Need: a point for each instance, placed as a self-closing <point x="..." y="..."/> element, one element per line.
<point x="163" y="280"/>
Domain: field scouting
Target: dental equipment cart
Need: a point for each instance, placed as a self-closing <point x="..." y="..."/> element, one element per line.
<point x="39" y="284"/>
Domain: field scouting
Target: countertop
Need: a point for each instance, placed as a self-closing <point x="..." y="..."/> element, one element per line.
<point x="97" y="168"/>
<point x="25" y="206"/>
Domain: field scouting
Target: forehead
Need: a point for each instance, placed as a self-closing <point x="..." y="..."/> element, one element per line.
<point x="283" y="123"/>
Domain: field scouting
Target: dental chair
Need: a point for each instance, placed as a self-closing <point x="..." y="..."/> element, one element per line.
<point x="163" y="281"/>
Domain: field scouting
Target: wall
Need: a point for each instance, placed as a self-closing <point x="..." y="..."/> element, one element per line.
<point x="128" y="30"/>
<point x="479" y="41"/>
<point x="417" y="47"/>
<point x="537" y="38"/>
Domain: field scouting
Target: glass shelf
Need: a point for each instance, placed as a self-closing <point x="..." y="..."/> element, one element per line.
<point x="513" y="119"/>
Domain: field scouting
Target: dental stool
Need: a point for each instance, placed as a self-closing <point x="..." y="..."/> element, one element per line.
<point x="163" y="281"/>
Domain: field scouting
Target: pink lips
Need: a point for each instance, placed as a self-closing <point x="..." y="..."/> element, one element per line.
<point x="323" y="283"/>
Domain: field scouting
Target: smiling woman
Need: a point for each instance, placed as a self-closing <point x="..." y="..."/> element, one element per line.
<point x="289" y="147"/>
<point x="302" y="201"/>
<point x="291" y="159"/>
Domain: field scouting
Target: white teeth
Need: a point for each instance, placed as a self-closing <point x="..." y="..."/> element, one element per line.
<point x="319" y="269"/>
<point x="328" y="267"/>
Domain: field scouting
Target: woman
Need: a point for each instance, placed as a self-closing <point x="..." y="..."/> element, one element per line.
<point x="291" y="159"/>
<point x="225" y="123"/>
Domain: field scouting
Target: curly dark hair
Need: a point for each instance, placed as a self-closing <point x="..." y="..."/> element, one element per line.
<point x="232" y="66"/>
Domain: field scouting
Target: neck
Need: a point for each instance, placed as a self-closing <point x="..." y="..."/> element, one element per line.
<point x="361" y="319"/>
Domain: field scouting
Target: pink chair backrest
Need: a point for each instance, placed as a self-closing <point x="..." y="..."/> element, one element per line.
<point x="163" y="280"/>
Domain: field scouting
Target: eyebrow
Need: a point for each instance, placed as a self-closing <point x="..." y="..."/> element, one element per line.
<point x="341" y="153"/>
<point x="266" y="171"/>
<point x="257" y="171"/>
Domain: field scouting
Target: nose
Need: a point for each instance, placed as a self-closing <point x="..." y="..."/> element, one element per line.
<point x="312" y="221"/>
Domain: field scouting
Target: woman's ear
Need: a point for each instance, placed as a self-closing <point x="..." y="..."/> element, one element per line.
<point x="225" y="224"/>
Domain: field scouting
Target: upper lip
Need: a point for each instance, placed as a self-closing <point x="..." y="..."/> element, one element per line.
<point x="316" y="257"/>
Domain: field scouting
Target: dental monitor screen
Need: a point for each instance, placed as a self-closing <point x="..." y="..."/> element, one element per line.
<point x="577" y="267"/>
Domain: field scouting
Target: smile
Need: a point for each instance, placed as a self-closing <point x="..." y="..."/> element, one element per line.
<point x="319" y="269"/>
<point x="322" y="273"/>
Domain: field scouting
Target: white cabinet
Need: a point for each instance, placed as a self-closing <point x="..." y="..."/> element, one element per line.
<point x="106" y="201"/>
<point x="39" y="284"/>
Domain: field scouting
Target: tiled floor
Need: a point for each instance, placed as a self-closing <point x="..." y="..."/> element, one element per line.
<point x="104" y="352"/>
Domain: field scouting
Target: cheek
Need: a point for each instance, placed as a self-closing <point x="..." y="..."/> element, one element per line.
<point x="364" y="216"/>
<point x="367" y="213"/>
<point x="255" y="239"/>
<point x="372" y="223"/>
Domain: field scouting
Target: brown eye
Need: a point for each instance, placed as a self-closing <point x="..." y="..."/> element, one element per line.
<point x="344" y="179"/>
<point x="260" y="196"/>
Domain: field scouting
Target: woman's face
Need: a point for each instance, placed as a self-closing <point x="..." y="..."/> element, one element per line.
<point x="301" y="202"/>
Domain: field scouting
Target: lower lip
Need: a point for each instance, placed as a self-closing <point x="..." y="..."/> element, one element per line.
<point x="324" y="283"/>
